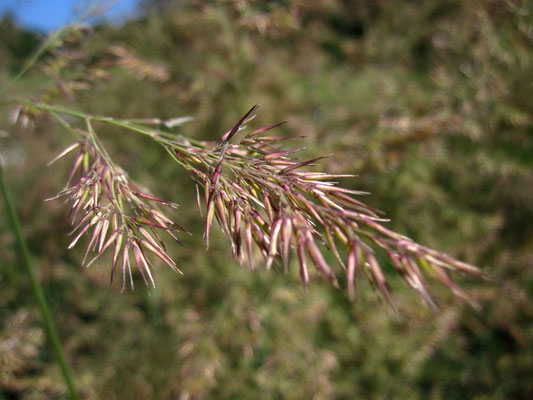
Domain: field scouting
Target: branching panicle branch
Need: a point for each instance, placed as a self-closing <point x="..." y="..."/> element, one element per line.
<point x="265" y="201"/>
<point x="263" y="198"/>
<point x="114" y="212"/>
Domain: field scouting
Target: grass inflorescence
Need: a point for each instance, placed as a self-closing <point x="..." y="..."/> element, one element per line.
<point x="115" y="212"/>
<point x="268" y="201"/>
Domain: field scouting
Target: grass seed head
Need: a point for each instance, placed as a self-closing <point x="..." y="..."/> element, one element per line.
<point x="114" y="212"/>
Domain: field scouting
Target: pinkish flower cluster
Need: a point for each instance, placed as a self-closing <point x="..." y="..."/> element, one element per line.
<point x="264" y="199"/>
<point x="266" y="203"/>
<point x="115" y="213"/>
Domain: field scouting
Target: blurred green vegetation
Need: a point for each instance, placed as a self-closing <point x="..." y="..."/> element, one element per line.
<point x="429" y="102"/>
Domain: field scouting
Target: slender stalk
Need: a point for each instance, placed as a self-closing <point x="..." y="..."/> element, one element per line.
<point x="37" y="289"/>
<point x="36" y="56"/>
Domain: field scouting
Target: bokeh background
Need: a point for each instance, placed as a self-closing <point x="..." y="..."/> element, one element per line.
<point x="428" y="102"/>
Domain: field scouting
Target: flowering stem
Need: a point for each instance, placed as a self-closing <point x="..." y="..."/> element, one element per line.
<point x="250" y="184"/>
<point x="38" y="54"/>
<point x="49" y="324"/>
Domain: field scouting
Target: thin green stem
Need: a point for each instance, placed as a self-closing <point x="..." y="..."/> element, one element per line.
<point x="47" y="44"/>
<point x="31" y="62"/>
<point x="98" y="146"/>
<point x="66" y="125"/>
<point x="37" y="289"/>
<point x="152" y="133"/>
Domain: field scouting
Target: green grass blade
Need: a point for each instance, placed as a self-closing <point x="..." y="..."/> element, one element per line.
<point x="49" y="324"/>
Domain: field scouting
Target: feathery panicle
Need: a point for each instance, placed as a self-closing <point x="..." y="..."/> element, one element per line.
<point x="265" y="201"/>
<point x="253" y="187"/>
<point x="113" y="212"/>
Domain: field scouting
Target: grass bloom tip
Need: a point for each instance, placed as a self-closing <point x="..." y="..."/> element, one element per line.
<point x="266" y="201"/>
<point x="269" y="202"/>
<point x="115" y="213"/>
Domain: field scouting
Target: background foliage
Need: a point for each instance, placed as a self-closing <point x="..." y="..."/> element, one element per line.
<point x="429" y="102"/>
